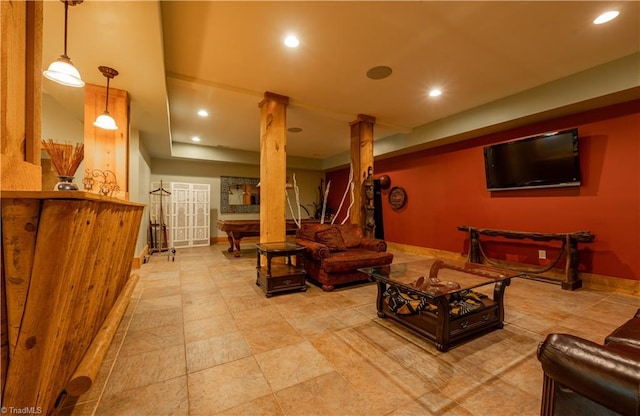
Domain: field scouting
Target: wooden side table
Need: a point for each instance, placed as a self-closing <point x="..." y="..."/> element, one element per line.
<point x="279" y="277"/>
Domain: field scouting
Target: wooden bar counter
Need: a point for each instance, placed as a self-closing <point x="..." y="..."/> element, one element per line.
<point x="66" y="258"/>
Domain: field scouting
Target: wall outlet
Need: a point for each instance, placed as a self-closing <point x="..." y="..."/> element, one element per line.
<point x="542" y="254"/>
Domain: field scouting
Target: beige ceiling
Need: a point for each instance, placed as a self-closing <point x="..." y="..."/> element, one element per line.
<point x="495" y="62"/>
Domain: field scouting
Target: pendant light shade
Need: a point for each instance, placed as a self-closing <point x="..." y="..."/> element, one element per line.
<point x="62" y="70"/>
<point x="104" y="120"/>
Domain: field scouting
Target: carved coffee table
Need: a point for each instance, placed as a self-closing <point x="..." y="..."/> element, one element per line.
<point x="437" y="300"/>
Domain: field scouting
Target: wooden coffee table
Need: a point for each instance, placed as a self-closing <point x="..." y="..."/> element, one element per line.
<point x="436" y="299"/>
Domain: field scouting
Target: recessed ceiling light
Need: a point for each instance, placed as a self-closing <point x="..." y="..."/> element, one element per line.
<point x="203" y="113"/>
<point x="606" y="17"/>
<point x="379" y="72"/>
<point x="436" y="92"/>
<point x="195" y="139"/>
<point x="291" y="41"/>
<point x="294" y="129"/>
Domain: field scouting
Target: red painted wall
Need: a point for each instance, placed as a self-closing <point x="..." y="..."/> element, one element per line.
<point x="446" y="188"/>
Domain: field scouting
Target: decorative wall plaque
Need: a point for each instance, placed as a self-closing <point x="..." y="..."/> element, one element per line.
<point x="397" y="197"/>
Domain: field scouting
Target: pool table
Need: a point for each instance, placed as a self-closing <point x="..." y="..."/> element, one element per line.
<point x="238" y="229"/>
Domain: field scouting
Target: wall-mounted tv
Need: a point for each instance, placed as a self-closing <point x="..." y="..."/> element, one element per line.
<point x="544" y="161"/>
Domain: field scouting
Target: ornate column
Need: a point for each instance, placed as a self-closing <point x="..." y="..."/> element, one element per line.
<point x="362" y="161"/>
<point x="273" y="167"/>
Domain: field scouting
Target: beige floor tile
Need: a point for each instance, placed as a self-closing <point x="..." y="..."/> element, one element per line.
<point x="271" y="336"/>
<point x="483" y="400"/>
<point x="168" y="397"/>
<point x="161" y="291"/>
<point x="146" y="368"/>
<point x="209" y="327"/>
<point x="152" y="339"/>
<point x="226" y="386"/>
<point x="246" y="302"/>
<point x="338" y="352"/>
<point x="612" y="314"/>
<point x="379" y="336"/>
<point x="327" y="395"/>
<point x="198" y="297"/>
<point x="317" y="324"/>
<point x="217" y="350"/>
<point x="386" y="393"/>
<point x="152" y="319"/>
<point x="291" y="365"/>
<point x="198" y="285"/>
<point x="258" y="317"/>
<point x="156" y="304"/>
<point x="431" y="404"/>
<point x="262" y="406"/>
<point x="205" y="310"/>
<point x="324" y="353"/>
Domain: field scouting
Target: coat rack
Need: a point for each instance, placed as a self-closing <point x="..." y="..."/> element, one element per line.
<point x="158" y="241"/>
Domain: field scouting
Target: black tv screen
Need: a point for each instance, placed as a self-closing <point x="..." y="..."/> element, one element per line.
<point x="545" y="161"/>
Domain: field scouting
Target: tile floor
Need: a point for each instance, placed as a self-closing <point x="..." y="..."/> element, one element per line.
<point x="200" y="338"/>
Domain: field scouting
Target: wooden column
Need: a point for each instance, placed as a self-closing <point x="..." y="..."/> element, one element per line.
<point x="361" y="159"/>
<point x="106" y="152"/>
<point x="20" y="95"/>
<point x="273" y="167"/>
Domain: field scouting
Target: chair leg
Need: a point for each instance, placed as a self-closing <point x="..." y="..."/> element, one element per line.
<point x="548" y="396"/>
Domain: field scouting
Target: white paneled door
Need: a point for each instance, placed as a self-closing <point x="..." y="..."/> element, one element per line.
<point x="188" y="214"/>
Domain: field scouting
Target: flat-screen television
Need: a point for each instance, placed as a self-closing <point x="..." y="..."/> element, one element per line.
<point x="544" y="161"/>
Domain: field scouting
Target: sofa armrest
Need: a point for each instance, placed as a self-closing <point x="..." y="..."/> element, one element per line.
<point x="314" y="249"/>
<point x="373" y="244"/>
<point x="608" y="375"/>
<point x="627" y="333"/>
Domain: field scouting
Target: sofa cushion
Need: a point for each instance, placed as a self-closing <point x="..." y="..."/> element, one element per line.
<point x="354" y="259"/>
<point x="331" y="238"/>
<point x="308" y="231"/>
<point x="351" y="234"/>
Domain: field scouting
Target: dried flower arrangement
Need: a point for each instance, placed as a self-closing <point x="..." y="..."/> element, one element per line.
<point x="64" y="157"/>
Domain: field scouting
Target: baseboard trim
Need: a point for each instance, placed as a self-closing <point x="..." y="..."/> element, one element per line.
<point x="591" y="281"/>
<point x="139" y="260"/>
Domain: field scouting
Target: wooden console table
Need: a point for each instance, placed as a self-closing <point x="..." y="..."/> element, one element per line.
<point x="569" y="242"/>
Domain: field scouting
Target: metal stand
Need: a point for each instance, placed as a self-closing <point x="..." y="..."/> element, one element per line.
<point x="158" y="242"/>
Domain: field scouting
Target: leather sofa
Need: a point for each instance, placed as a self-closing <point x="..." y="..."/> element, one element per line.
<point x="585" y="378"/>
<point x="334" y="253"/>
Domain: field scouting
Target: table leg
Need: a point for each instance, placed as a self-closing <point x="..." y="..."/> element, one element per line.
<point x="230" y="239"/>
<point x="235" y="242"/>
<point x="443" y="328"/>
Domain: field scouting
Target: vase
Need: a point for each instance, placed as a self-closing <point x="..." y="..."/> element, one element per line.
<point x="65" y="184"/>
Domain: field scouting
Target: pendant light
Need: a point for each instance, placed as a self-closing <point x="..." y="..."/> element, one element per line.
<point x="62" y="70"/>
<point x="104" y="120"/>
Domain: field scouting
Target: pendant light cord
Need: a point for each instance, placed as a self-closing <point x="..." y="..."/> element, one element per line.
<point x="66" y="11"/>
<point x="106" y="103"/>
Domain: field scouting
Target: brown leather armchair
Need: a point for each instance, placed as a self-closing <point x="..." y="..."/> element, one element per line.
<point x="585" y="378"/>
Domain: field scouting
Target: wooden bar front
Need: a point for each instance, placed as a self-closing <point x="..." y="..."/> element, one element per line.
<point x="66" y="257"/>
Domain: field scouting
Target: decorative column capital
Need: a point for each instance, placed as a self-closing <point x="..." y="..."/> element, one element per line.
<point x="270" y="96"/>
<point x="363" y="118"/>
